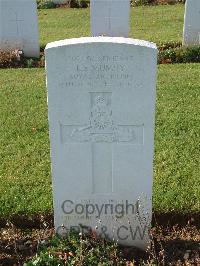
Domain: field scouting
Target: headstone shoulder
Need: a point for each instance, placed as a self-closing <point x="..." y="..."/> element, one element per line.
<point x="101" y="39"/>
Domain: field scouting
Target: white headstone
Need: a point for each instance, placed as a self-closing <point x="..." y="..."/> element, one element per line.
<point x="191" y="34"/>
<point x="19" y="26"/>
<point x="110" y="17"/>
<point x="101" y="101"/>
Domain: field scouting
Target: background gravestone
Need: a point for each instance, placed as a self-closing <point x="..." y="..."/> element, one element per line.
<point x="191" y="33"/>
<point x="110" y="17"/>
<point x="19" y="26"/>
<point x="101" y="101"/>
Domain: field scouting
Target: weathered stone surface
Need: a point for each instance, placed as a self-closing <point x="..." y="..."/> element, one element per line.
<point x="101" y="102"/>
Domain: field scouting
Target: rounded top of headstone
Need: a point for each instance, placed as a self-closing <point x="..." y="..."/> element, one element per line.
<point x="101" y="39"/>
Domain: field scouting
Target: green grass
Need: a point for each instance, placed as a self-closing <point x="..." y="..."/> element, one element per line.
<point x="24" y="146"/>
<point x="177" y="139"/>
<point x="155" y="23"/>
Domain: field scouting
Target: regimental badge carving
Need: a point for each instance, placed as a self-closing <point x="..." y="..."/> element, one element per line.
<point x="101" y="126"/>
<point x="101" y="115"/>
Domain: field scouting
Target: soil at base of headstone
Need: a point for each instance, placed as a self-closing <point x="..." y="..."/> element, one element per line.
<point x="173" y="243"/>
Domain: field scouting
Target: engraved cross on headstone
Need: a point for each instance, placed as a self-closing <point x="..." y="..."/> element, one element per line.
<point x="102" y="132"/>
<point x="111" y="20"/>
<point x="17" y="21"/>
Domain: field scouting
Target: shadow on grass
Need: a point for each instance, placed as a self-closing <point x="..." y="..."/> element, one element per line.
<point x="43" y="220"/>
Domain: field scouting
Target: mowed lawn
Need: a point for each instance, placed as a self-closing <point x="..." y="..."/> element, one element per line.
<point x="160" y="24"/>
<point x="24" y="145"/>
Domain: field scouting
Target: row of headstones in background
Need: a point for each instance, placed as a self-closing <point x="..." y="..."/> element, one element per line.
<point x="19" y="22"/>
<point x="191" y="34"/>
<point x="19" y="26"/>
<point x="101" y="103"/>
<point x="114" y="21"/>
